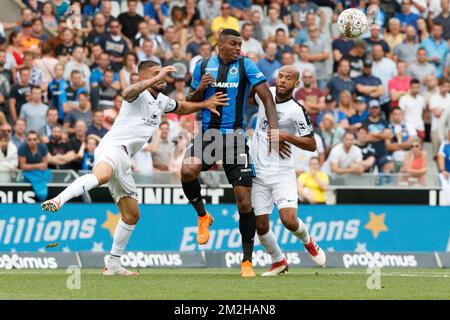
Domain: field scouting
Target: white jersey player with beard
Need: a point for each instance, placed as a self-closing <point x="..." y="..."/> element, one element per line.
<point x="139" y="117"/>
<point x="275" y="182"/>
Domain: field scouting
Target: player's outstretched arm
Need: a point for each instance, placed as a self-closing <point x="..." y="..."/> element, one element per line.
<point x="133" y="91"/>
<point x="197" y="94"/>
<point x="266" y="97"/>
<point x="217" y="100"/>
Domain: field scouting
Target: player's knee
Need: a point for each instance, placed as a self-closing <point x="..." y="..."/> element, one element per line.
<point x="243" y="204"/>
<point x="131" y="218"/>
<point x="189" y="173"/>
<point x="262" y="227"/>
<point x="290" y="221"/>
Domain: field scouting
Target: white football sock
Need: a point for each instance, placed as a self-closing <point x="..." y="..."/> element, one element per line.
<point x="121" y="236"/>
<point x="270" y="244"/>
<point x="302" y="232"/>
<point x="78" y="187"/>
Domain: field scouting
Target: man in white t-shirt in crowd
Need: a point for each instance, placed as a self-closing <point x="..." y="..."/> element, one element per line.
<point x="439" y="103"/>
<point x="413" y="104"/>
<point x="345" y="157"/>
<point x="402" y="136"/>
<point x="250" y="44"/>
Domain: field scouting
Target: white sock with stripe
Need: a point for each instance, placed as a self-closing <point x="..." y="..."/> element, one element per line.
<point x="302" y="232"/>
<point x="122" y="235"/>
<point x="270" y="244"/>
<point x="77" y="188"/>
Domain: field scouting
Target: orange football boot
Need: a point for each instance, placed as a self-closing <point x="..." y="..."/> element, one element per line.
<point x="203" y="228"/>
<point x="247" y="269"/>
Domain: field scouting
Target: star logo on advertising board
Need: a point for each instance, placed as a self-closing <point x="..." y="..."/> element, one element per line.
<point x="111" y="222"/>
<point x="376" y="224"/>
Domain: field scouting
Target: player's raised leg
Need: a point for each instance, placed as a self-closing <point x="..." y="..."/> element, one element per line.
<point x="190" y="171"/>
<point x="129" y="211"/>
<point x="100" y="175"/>
<point x="294" y="224"/>
<point x="268" y="241"/>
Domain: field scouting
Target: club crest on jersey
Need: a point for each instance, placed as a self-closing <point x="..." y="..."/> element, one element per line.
<point x="225" y="84"/>
<point x="233" y="70"/>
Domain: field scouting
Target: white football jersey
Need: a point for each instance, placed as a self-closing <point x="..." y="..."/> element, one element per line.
<point x="292" y="118"/>
<point x="137" y="120"/>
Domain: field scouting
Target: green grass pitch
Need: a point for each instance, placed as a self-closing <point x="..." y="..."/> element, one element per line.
<point x="227" y="284"/>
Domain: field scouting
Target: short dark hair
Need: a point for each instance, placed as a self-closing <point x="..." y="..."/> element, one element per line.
<point x="31" y="132"/>
<point x="280" y="30"/>
<point x="147" y="64"/>
<point x="363" y="127"/>
<point x="396" y="109"/>
<point x="229" y="32"/>
<point x="415" y="81"/>
<point x="163" y="123"/>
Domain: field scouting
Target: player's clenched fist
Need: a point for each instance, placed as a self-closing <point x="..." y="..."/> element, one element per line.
<point x="218" y="100"/>
<point x="207" y="80"/>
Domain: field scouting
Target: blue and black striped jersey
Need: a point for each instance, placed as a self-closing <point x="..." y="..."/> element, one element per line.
<point x="234" y="79"/>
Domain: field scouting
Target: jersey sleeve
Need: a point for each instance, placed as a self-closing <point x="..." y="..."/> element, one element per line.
<point x="196" y="76"/>
<point x="170" y="105"/>
<point x="302" y="123"/>
<point x="254" y="75"/>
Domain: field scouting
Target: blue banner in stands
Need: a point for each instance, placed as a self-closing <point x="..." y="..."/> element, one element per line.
<point x="360" y="228"/>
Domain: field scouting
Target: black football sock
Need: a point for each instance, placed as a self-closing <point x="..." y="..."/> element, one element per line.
<point x="192" y="190"/>
<point x="247" y="228"/>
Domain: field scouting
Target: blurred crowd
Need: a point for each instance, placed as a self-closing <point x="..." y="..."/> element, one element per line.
<point x="373" y="101"/>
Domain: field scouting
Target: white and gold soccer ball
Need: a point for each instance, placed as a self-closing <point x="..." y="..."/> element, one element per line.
<point x="352" y="23"/>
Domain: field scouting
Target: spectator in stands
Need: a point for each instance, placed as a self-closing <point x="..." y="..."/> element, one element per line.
<point x="330" y="133"/>
<point x="318" y="55"/>
<point x="436" y="47"/>
<point x="367" y="150"/>
<point x="179" y="62"/>
<point x="33" y="162"/>
<point x="77" y="63"/>
<point x="302" y="157"/>
<point x="255" y="20"/>
<point x="209" y="9"/>
<point x="46" y="64"/>
<point x="361" y="114"/>
<point x="384" y="69"/>
<point x="111" y="114"/>
<point x="86" y="152"/>
<point x="75" y="141"/>
<point x="444" y="19"/>
<point x="282" y="42"/>
<point x="61" y="153"/>
<point x="15" y="47"/>
<point x="422" y="29"/>
<point x="413" y="105"/>
<point x="341" y="81"/>
<point x="312" y="185"/>
<point x="375" y="38"/>
<point x="421" y="68"/>
<point x="34" y="112"/>
<point x="443" y="160"/>
<point x="115" y="45"/>
<point x="56" y="94"/>
<point x="342" y="46"/>
<point x="415" y="164"/>
<point x="406" y="17"/>
<point x="345" y="105"/>
<point x="98" y="32"/>
<point x="438" y="103"/>
<point x="345" y="157"/>
<point x="96" y="126"/>
<point x="303" y="65"/>
<point x="250" y="44"/>
<point x="300" y="10"/>
<point x="6" y="79"/>
<point x="269" y="64"/>
<point x="37" y="30"/>
<point x="157" y="10"/>
<point x="147" y="52"/>
<point x="8" y="155"/>
<point x="339" y="117"/>
<point x="67" y="44"/>
<point x="367" y="85"/>
<point x="130" y="19"/>
<point x="19" y="93"/>
<point x="311" y="97"/>
<point x="223" y="21"/>
<point x="46" y="131"/>
<point x="28" y="41"/>
<point x="378" y="133"/>
<point x="399" y="85"/>
<point x="19" y="136"/>
<point x="163" y="148"/>
<point x="104" y="64"/>
<point x="407" y="49"/>
<point x="48" y="17"/>
<point x="272" y="23"/>
<point x="36" y="76"/>
<point x="83" y="113"/>
<point x="102" y="96"/>
<point x="394" y="36"/>
<point x="355" y="56"/>
<point x="402" y="136"/>
<point x="72" y="92"/>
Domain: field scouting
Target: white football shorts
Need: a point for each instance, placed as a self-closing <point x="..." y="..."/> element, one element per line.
<point x="282" y="192"/>
<point x="121" y="183"/>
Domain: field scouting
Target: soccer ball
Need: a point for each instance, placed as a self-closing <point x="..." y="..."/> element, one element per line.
<point x="352" y="23"/>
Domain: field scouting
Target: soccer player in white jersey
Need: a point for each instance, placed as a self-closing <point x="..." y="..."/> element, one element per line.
<point x="138" y="118"/>
<point x="275" y="181"/>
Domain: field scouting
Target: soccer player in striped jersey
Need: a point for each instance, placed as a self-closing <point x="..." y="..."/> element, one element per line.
<point x="224" y="135"/>
<point x="275" y="181"/>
